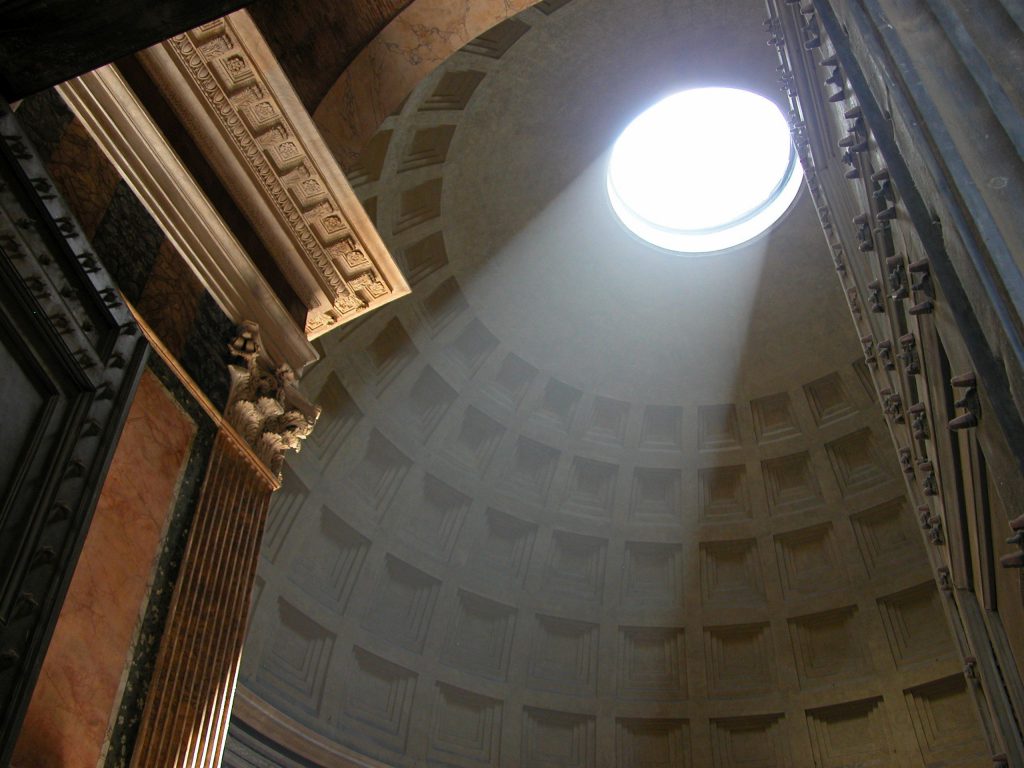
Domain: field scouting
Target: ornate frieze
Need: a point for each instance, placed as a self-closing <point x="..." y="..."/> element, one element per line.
<point x="232" y="95"/>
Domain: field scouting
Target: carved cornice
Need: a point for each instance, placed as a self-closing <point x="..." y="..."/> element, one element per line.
<point x="264" y="405"/>
<point x="233" y="97"/>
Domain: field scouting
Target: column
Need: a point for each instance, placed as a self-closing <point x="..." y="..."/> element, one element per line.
<point x="186" y="715"/>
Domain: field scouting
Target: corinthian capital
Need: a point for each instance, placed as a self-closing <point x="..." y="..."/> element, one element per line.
<point x="265" y="405"/>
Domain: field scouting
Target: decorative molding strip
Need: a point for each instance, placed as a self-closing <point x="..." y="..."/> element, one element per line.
<point x="232" y="95"/>
<point x="196" y="393"/>
<point x="127" y="135"/>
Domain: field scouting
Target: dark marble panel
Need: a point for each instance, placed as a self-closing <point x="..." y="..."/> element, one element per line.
<point x="205" y="354"/>
<point x="128" y="241"/>
<point x="84" y="176"/>
<point x="170" y="299"/>
<point x="44" y="117"/>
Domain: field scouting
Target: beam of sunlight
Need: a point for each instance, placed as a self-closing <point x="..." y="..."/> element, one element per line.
<point x="608" y="311"/>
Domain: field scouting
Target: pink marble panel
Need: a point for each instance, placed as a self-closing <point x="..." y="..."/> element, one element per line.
<point x="80" y="682"/>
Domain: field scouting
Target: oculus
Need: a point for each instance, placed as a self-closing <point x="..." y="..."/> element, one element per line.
<point x="704" y="170"/>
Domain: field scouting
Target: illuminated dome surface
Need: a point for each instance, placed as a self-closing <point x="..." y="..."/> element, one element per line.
<point x="578" y="502"/>
<point x="704" y="170"/>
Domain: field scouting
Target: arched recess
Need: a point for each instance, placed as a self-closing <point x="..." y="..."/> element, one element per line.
<point x="315" y="41"/>
<point x="408" y="49"/>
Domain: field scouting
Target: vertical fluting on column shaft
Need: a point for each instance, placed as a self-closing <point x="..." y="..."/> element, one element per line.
<point x="186" y="715"/>
<point x="196" y="668"/>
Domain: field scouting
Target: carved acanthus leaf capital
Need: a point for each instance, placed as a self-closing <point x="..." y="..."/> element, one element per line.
<point x="265" y="405"/>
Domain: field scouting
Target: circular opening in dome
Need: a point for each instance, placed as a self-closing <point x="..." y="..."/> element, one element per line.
<point x="704" y="170"/>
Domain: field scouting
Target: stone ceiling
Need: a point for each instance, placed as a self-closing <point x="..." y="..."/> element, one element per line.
<point x="577" y="501"/>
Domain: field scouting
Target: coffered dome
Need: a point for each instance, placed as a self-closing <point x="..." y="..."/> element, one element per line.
<point x="577" y="500"/>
